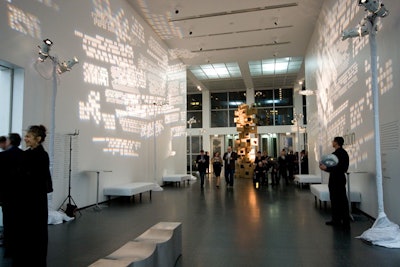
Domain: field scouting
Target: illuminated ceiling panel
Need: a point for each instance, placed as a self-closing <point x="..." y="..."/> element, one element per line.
<point x="216" y="71"/>
<point x="275" y="66"/>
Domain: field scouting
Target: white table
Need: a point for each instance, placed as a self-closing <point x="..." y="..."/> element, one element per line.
<point x="97" y="207"/>
<point x="307" y="179"/>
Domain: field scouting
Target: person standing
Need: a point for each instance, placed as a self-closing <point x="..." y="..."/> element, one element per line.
<point x="337" y="185"/>
<point x="32" y="238"/>
<point x="291" y="160"/>
<point x="282" y="163"/>
<point x="11" y="161"/>
<point x="3" y="141"/>
<point x="260" y="173"/>
<point x="230" y="158"/>
<point x="304" y="162"/>
<point x="202" y="162"/>
<point x="216" y="161"/>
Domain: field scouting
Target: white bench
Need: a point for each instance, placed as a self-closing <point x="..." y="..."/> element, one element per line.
<point x="130" y="254"/>
<point x="160" y="245"/>
<point x="177" y="178"/>
<point x="301" y="179"/>
<point x="321" y="193"/>
<point x="131" y="189"/>
<point x="167" y="236"/>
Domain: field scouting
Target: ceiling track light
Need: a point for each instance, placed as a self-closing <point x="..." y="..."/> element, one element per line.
<point x="239" y="47"/>
<point x="233" y="12"/>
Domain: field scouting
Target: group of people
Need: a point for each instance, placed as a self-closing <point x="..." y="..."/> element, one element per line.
<point x="228" y="161"/>
<point x="283" y="168"/>
<point x="25" y="181"/>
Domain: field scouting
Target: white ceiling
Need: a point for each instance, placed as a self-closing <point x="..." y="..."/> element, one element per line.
<point x="232" y="31"/>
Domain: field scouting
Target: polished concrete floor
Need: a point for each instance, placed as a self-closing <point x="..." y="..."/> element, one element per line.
<point x="243" y="226"/>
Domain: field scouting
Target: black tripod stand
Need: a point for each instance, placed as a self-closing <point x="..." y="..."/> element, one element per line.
<point x="71" y="205"/>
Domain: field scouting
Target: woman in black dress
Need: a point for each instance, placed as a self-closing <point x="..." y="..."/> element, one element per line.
<point x="33" y="236"/>
<point x="217" y="165"/>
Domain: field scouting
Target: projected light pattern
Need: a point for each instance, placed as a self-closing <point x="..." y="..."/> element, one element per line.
<point x="178" y="131"/>
<point x="95" y="74"/>
<point x="119" y="146"/>
<point x="91" y="109"/>
<point x="128" y="79"/>
<point x="104" y="18"/>
<point x="355" y="113"/>
<point x="24" y="22"/>
<point x="127" y="72"/>
<point x="150" y="129"/>
<point x="136" y="107"/>
<point x="106" y="50"/>
<point x="385" y="76"/>
<point x="137" y="85"/>
<point x="160" y="23"/>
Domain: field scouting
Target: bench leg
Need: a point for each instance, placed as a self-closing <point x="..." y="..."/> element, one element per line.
<point x="150" y="194"/>
<point x="140" y="197"/>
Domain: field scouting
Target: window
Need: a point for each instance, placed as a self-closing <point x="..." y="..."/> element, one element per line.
<point x="223" y="106"/>
<point x="6" y="76"/>
<point x="194" y="110"/>
<point x="275" y="106"/>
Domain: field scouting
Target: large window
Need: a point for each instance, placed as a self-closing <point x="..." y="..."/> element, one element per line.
<point x="194" y="110"/>
<point x="275" y="106"/>
<point x="223" y="106"/>
<point x="6" y="76"/>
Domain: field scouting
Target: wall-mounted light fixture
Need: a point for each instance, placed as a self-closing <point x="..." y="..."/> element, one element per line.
<point x="66" y="65"/>
<point x="375" y="7"/>
<point x="44" y="49"/>
<point x="44" y="53"/>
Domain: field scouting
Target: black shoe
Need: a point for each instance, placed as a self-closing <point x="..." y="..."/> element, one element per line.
<point x="333" y="223"/>
<point x="346" y="226"/>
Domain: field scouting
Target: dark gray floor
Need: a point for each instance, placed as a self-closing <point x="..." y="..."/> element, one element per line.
<point x="242" y="226"/>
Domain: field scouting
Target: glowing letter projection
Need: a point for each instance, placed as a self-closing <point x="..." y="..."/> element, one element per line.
<point x="129" y="75"/>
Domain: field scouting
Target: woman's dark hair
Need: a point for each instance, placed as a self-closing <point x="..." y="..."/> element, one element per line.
<point x="38" y="131"/>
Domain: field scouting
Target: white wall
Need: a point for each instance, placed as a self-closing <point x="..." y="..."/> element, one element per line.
<point x="98" y="94"/>
<point x="340" y="71"/>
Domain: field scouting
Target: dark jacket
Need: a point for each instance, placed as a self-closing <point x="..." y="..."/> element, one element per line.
<point x="232" y="160"/>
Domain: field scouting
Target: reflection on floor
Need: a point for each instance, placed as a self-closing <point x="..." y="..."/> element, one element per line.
<point x="240" y="226"/>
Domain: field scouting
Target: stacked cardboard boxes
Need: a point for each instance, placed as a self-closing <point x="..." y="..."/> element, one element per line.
<point x="247" y="144"/>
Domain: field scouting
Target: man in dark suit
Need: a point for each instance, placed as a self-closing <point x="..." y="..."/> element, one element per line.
<point x="202" y="161"/>
<point x="230" y="158"/>
<point x="11" y="164"/>
<point x="337" y="185"/>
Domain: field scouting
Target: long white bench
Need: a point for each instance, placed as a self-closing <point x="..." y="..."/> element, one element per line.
<point x="178" y="178"/>
<point x="159" y="246"/>
<point x="321" y="193"/>
<point x="301" y="179"/>
<point x="131" y="189"/>
<point x="130" y="254"/>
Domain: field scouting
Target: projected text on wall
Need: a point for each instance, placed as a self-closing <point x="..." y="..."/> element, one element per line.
<point x="338" y="75"/>
<point x="132" y="79"/>
<point x="134" y="91"/>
